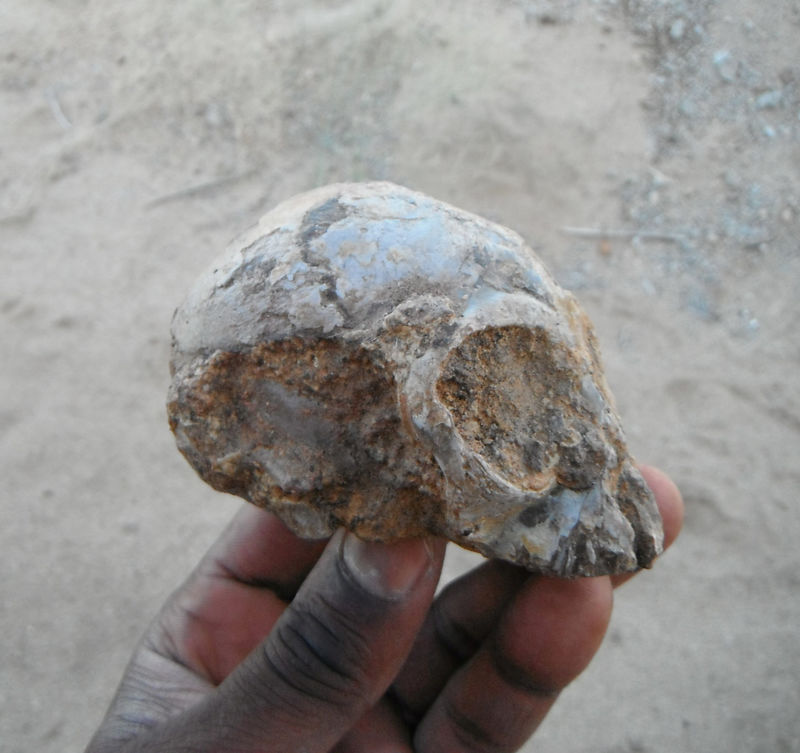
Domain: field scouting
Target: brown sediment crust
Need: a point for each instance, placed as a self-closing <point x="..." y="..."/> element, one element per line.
<point x="238" y="414"/>
<point x="511" y="392"/>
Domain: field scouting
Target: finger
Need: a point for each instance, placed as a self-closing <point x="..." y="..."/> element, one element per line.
<point x="670" y="505"/>
<point x="380" y="730"/>
<point x="330" y="656"/>
<point x="459" y="620"/>
<point x="464" y="613"/>
<point x="214" y="620"/>
<point x="235" y="596"/>
<point x="213" y="623"/>
<point x="545" y="639"/>
<point x="259" y="550"/>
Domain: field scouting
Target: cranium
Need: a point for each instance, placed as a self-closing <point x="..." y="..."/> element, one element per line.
<point x="372" y="358"/>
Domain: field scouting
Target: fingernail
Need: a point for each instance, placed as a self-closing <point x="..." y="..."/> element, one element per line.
<point x="387" y="570"/>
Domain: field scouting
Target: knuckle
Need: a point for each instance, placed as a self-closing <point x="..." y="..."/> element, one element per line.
<point x="317" y="652"/>
<point x="472" y="736"/>
<point x="457" y="640"/>
<point x="522" y="673"/>
<point x="519" y="676"/>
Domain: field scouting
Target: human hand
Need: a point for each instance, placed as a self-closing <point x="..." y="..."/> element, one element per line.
<point x="275" y="644"/>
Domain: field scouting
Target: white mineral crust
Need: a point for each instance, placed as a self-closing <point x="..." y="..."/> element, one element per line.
<point x="370" y="357"/>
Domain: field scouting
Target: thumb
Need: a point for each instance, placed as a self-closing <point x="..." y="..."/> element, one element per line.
<point x="331" y="655"/>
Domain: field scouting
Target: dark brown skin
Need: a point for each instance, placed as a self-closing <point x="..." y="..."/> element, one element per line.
<point x="275" y="644"/>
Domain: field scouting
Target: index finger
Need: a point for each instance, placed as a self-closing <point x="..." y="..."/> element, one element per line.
<point x="258" y="549"/>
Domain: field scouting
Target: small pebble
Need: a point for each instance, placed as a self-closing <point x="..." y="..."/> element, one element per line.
<point x="725" y="65"/>
<point x="769" y="100"/>
<point x="748" y="323"/>
<point x="677" y="30"/>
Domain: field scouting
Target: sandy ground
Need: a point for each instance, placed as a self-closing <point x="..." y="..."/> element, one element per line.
<point x="137" y="139"/>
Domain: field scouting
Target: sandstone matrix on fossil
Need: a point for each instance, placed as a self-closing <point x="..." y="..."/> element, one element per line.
<point x="369" y="357"/>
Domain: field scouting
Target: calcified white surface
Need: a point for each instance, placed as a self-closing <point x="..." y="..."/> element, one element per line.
<point x="391" y="245"/>
<point x="408" y="280"/>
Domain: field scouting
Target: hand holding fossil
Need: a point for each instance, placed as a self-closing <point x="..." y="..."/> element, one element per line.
<point x="276" y="644"/>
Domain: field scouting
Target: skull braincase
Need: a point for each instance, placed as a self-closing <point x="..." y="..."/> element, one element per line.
<point x="370" y="357"/>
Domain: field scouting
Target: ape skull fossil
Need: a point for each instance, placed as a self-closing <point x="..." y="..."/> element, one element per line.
<point x="370" y="357"/>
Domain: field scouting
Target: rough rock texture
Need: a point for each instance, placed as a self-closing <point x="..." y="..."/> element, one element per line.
<point x="370" y="357"/>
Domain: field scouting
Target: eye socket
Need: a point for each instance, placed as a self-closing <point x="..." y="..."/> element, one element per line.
<point x="293" y="413"/>
<point x="509" y="392"/>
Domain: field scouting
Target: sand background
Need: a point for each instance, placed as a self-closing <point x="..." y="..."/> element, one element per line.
<point x="137" y="139"/>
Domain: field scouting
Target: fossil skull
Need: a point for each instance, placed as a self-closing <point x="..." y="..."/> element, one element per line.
<point x="370" y="357"/>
